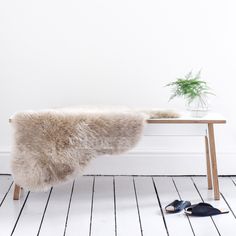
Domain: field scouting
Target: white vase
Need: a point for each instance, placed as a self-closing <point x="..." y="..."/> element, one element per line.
<point x="198" y="107"/>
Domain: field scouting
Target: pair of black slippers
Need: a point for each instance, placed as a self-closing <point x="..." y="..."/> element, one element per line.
<point x="200" y="209"/>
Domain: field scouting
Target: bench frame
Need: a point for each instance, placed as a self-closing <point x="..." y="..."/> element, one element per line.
<point x="210" y="147"/>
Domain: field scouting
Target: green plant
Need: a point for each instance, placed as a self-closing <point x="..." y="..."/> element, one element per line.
<point x="190" y="87"/>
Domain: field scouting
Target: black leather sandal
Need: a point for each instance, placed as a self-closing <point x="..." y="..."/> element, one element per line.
<point x="177" y="206"/>
<point x="204" y="209"/>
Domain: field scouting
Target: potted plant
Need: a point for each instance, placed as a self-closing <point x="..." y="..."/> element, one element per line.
<point x="194" y="91"/>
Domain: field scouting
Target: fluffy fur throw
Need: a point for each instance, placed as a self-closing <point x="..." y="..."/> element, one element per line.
<point x="53" y="146"/>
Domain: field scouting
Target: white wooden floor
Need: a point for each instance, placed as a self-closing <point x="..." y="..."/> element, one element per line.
<point x="116" y="206"/>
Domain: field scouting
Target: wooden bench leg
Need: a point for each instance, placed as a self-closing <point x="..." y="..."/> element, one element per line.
<point x="17" y="191"/>
<point x="213" y="161"/>
<point x="208" y="164"/>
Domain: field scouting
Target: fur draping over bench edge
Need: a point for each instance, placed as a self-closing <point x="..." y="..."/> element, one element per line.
<point x="53" y="146"/>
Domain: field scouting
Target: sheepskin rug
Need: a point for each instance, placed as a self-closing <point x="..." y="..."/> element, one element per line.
<point x="53" y="146"/>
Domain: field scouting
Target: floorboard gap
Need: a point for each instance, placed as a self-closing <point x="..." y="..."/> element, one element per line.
<point x="68" y="210"/>
<point x="18" y="217"/>
<point x="6" y="193"/>
<point x="233" y="181"/>
<point x="136" y="198"/>
<point x="222" y="195"/>
<point x="44" y="212"/>
<point x="181" y="199"/>
<point x="91" y="212"/>
<point x="159" y="202"/>
<point x="114" y="196"/>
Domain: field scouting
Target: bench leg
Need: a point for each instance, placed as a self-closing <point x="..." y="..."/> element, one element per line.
<point x="17" y="192"/>
<point x="208" y="164"/>
<point x="213" y="161"/>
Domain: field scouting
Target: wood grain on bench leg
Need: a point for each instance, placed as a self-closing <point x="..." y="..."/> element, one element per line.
<point x="208" y="163"/>
<point x="213" y="161"/>
<point x="17" y="191"/>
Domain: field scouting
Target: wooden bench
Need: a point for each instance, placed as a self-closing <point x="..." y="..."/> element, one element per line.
<point x="207" y="131"/>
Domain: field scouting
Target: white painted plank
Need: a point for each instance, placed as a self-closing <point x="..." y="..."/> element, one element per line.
<point x="201" y="225"/>
<point x="5" y="183"/>
<point x="103" y="216"/>
<point x="9" y="212"/>
<point x="55" y="216"/>
<point x="126" y="208"/>
<point x="228" y="190"/>
<point x="32" y="214"/>
<point x="225" y="223"/>
<point x="150" y="213"/>
<point x="176" y="223"/>
<point x="80" y="209"/>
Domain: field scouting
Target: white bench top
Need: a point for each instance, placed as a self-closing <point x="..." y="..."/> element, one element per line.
<point x="185" y="118"/>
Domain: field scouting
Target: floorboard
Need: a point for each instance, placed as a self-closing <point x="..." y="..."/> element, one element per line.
<point x="78" y="222"/>
<point x="126" y="208"/>
<point x="103" y="217"/>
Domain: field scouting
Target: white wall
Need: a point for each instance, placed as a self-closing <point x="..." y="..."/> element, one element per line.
<point x="59" y="53"/>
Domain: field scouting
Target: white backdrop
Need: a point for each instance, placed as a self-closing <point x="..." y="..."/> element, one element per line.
<point x="60" y="53"/>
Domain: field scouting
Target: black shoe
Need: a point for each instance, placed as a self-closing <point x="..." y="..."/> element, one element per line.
<point x="177" y="206"/>
<point x="204" y="209"/>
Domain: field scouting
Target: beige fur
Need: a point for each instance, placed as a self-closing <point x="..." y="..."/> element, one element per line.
<point x="54" y="146"/>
